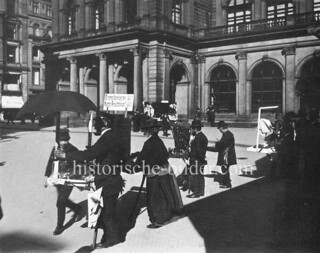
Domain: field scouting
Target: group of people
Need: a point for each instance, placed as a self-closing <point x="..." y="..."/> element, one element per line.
<point x="167" y="118"/>
<point x="192" y="178"/>
<point x="163" y="196"/>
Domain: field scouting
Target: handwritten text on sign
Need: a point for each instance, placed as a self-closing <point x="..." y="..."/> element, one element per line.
<point x="118" y="102"/>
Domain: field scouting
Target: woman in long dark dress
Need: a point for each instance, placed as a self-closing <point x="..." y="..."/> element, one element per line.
<point x="163" y="195"/>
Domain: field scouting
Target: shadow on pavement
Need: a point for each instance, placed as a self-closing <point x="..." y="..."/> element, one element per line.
<point x="126" y="203"/>
<point x="27" y="242"/>
<point x="262" y="216"/>
<point x="125" y="214"/>
<point x="262" y="167"/>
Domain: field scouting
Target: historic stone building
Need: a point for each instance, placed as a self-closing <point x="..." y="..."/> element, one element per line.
<point x="237" y="54"/>
<point x="24" y="25"/>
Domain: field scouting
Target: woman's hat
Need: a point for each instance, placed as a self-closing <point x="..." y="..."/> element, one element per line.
<point x="222" y="124"/>
<point x="150" y="123"/>
<point x="64" y="134"/>
<point x="196" y="123"/>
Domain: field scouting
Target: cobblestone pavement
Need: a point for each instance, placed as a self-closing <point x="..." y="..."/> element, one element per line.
<point x="259" y="214"/>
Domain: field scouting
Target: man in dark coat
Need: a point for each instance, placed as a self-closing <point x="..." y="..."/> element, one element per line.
<point x="108" y="153"/>
<point x="63" y="191"/>
<point x="226" y="153"/>
<point x="197" y="159"/>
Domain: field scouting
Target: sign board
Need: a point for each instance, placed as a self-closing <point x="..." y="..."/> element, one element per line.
<point x="11" y="102"/>
<point x="118" y="102"/>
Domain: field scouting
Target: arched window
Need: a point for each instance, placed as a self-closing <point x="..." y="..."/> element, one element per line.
<point x="239" y="12"/>
<point x="223" y="89"/>
<point x="266" y="86"/>
<point x="130" y="11"/>
<point x="176" y="12"/>
<point x="177" y="74"/>
<point x="70" y="17"/>
<point x="308" y="86"/>
<point x="36" y="30"/>
<point x="98" y="14"/>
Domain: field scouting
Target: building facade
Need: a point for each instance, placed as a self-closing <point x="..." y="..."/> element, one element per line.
<point x="236" y="54"/>
<point x="24" y="26"/>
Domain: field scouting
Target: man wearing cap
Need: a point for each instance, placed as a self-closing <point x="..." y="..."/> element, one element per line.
<point x="63" y="191"/>
<point x="197" y="159"/>
<point x="226" y="153"/>
<point x="163" y="195"/>
<point x="108" y="154"/>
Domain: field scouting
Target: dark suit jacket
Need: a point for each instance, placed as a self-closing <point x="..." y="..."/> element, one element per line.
<point x="198" y="149"/>
<point x="108" y="152"/>
<point x="226" y="142"/>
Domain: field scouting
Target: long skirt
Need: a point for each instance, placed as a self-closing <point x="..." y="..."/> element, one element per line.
<point x="163" y="198"/>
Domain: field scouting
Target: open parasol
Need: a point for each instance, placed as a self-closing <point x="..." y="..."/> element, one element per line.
<point x="50" y="102"/>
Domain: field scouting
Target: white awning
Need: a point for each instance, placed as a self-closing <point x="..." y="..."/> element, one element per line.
<point x="12" y="102"/>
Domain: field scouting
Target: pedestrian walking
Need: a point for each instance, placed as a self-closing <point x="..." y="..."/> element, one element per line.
<point x="63" y="191"/>
<point x="9" y="117"/>
<point x="211" y="115"/>
<point x="108" y="153"/>
<point x="165" y="124"/>
<point x="197" y="159"/>
<point x="226" y="153"/>
<point x="136" y="120"/>
<point x="163" y="195"/>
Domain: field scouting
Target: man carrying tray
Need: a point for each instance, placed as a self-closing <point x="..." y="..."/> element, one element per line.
<point x="63" y="191"/>
<point x="108" y="153"/>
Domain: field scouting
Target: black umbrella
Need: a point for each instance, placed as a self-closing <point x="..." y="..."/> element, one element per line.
<point x="50" y="102"/>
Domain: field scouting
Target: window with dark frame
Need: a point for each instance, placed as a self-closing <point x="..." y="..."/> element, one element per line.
<point x="239" y="12"/>
<point x="277" y="14"/>
<point x="98" y="14"/>
<point x="12" y="54"/>
<point x="223" y="89"/>
<point x="70" y="14"/>
<point x="36" y="8"/>
<point x="267" y="82"/>
<point x="11" y="7"/>
<point x="130" y="11"/>
<point x="176" y="12"/>
<point x="36" y="76"/>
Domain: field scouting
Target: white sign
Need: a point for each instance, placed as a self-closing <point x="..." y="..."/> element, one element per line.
<point x="12" y="102"/>
<point x="118" y="102"/>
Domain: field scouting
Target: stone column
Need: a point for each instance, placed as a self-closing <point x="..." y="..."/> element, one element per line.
<point x="110" y="15"/>
<point x="242" y="91"/>
<point x="73" y="74"/>
<point x="145" y="76"/>
<point x="56" y="22"/>
<point x="289" y="53"/>
<point x="166" y="74"/>
<point x="264" y="9"/>
<point x="62" y="23"/>
<point x="81" y="79"/>
<point x="102" y="77"/>
<point x="137" y="78"/>
<point x="111" y="71"/>
<point x="81" y="20"/>
<point x="88" y="17"/>
<point x="202" y="92"/>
